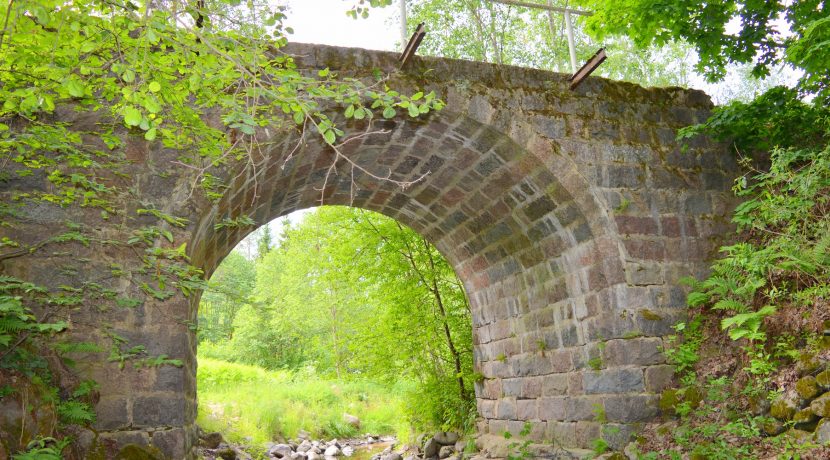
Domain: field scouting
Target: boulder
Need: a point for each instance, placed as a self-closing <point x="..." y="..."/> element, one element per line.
<point x="391" y="456"/>
<point x="823" y="379"/>
<point x="136" y="452"/>
<point x="226" y="454"/>
<point x="280" y="451"/>
<point x="211" y="440"/>
<point x="431" y="448"/>
<point x="773" y="427"/>
<point x="805" y="416"/>
<point x="347" y="450"/>
<point x="783" y="409"/>
<point x="332" y="451"/>
<point x="446" y="451"/>
<point x="297" y="456"/>
<point x="446" y="438"/>
<point x="305" y="446"/>
<point x="821" y="405"/>
<point x="807" y="387"/>
<point x="312" y="455"/>
<point x="302" y="434"/>
<point x="823" y="432"/>
<point x="353" y="421"/>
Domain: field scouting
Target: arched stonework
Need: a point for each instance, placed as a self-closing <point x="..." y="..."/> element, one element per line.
<point x="569" y="216"/>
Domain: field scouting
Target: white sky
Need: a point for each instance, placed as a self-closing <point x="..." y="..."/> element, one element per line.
<point x="325" y="22"/>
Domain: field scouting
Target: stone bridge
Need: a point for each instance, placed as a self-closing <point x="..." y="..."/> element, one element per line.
<point x="569" y="216"/>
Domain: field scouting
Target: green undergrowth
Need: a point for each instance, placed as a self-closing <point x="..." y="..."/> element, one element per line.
<point x="758" y="323"/>
<point x="251" y="405"/>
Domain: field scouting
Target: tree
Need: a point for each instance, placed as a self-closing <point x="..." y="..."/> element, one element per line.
<point x="227" y="292"/>
<point x="757" y="36"/>
<point x="264" y="243"/>
<point x="483" y="30"/>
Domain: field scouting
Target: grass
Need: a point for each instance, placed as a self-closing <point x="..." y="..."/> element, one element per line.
<point x="251" y="405"/>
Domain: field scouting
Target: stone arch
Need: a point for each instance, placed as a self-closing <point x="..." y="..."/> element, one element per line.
<point x="532" y="247"/>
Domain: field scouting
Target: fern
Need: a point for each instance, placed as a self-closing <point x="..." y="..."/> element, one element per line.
<point x="729" y="304"/>
<point x="75" y="413"/>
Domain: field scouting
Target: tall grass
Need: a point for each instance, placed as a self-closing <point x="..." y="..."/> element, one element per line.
<point x="251" y="405"/>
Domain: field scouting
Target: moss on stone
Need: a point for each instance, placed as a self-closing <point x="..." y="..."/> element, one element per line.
<point x="136" y="452"/>
<point x="807" y="364"/>
<point x="823" y="379"/>
<point x="805" y="415"/>
<point x="649" y="315"/>
<point x="773" y="427"/>
<point x="668" y="401"/>
<point x="821" y="405"/>
<point x="693" y="396"/>
<point x="782" y="409"/>
<point x="800" y="436"/>
<point x="807" y="387"/>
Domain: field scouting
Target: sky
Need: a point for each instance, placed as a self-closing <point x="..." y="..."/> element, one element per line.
<point x="325" y="22"/>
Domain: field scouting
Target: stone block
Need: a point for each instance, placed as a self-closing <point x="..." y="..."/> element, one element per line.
<point x="586" y="432"/>
<point x="642" y="351"/>
<point x="644" y="274"/>
<point x="635" y="225"/>
<point x="555" y="385"/>
<point x="512" y="387"/>
<point x="123" y="438"/>
<point x="531" y="364"/>
<point x="171" y="442"/>
<point x="486" y="408"/>
<point x="158" y="411"/>
<point x="617" y="435"/>
<point x="506" y="409"/>
<point x="552" y="409"/>
<point x="608" y="381"/>
<point x="631" y="408"/>
<point x="560" y="361"/>
<point x="526" y="409"/>
<point x="581" y="408"/>
<point x="532" y="387"/>
<point x="658" y="378"/>
<point x="561" y="433"/>
<point x="112" y="414"/>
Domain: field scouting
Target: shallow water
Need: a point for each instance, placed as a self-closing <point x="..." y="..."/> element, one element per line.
<point x="365" y="452"/>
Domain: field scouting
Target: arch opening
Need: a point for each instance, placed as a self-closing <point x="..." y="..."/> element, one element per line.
<point x="349" y="299"/>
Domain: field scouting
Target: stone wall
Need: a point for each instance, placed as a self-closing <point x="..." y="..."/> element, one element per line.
<point x="568" y="215"/>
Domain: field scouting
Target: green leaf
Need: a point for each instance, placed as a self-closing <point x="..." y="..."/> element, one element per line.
<point x="299" y="117"/>
<point x="150" y="134"/>
<point x="128" y="76"/>
<point x="132" y="116"/>
<point x="154" y="87"/>
<point x="414" y="111"/>
<point x="329" y="137"/>
<point x="74" y="86"/>
<point x="389" y="112"/>
<point x="349" y="111"/>
<point x="417" y="96"/>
